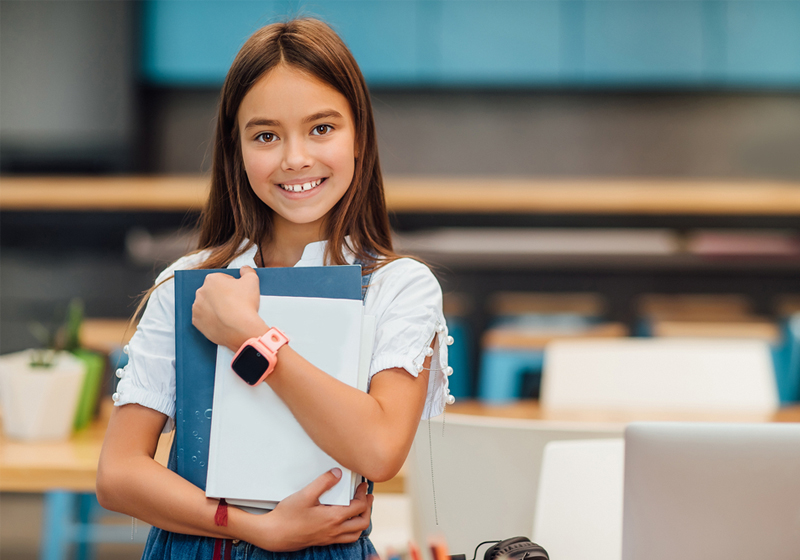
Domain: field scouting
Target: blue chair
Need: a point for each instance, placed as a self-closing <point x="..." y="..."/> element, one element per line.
<point x="458" y="358"/>
<point x="787" y="361"/>
<point x="511" y="366"/>
<point x="71" y="520"/>
<point x="503" y="372"/>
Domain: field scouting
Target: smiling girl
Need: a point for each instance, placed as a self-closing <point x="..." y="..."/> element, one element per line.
<point x="295" y="182"/>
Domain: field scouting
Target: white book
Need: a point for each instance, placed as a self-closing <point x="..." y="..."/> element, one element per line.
<point x="258" y="452"/>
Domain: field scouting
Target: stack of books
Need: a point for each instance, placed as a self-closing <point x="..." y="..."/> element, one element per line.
<point x="242" y="443"/>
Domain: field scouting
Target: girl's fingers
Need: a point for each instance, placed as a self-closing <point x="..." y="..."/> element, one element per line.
<point x="249" y="276"/>
<point x="353" y="525"/>
<point x="361" y="491"/>
<point x="322" y="484"/>
<point x="358" y="511"/>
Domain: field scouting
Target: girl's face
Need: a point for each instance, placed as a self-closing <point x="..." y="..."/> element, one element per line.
<point x="298" y="144"/>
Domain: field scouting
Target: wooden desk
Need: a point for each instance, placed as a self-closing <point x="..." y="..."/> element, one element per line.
<point x="72" y="465"/>
<point x="66" y="465"/>
<point x="530" y="409"/>
<point x="432" y="195"/>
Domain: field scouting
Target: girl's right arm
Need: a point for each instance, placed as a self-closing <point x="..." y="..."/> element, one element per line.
<point x="129" y="480"/>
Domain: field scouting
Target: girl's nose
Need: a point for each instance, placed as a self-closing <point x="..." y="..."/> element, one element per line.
<point x="296" y="156"/>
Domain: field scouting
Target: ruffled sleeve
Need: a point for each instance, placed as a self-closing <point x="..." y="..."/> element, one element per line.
<point x="406" y="299"/>
<point x="149" y="377"/>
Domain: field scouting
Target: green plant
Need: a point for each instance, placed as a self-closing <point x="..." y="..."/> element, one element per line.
<point x="65" y="335"/>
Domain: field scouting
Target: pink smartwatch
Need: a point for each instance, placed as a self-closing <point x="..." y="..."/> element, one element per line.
<point x="257" y="357"/>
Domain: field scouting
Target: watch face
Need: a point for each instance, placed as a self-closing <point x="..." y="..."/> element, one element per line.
<point x="250" y="365"/>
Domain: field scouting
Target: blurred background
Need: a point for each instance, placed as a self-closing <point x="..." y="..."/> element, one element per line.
<point x="489" y="89"/>
<point x="647" y="94"/>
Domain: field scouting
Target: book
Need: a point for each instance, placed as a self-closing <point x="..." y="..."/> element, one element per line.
<point x="365" y="356"/>
<point x="259" y="453"/>
<point x="195" y="355"/>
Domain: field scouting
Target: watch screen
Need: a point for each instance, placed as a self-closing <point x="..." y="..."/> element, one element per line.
<point x="250" y="365"/>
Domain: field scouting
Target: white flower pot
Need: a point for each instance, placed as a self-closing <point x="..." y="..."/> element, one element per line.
<point x="39" y="403"/>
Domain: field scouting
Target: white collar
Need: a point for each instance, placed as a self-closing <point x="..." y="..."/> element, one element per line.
<point x="313" y="255"/>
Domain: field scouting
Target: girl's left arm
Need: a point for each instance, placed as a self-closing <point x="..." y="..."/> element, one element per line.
<point x="370" y="433"/>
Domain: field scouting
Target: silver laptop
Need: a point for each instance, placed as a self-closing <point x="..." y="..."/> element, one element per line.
<point x="704" y="491"/>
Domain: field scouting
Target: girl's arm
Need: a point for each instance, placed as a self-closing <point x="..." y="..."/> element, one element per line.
<point x="368" y="433"/>
<point x="129" y="480"/>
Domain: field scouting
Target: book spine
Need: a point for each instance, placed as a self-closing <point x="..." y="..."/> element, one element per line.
<point x="180" y="346"/>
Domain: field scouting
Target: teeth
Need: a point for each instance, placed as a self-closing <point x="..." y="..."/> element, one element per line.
<point x="302" y="188"/>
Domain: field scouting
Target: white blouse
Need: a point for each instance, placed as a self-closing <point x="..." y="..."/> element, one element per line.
<point x="404" y="296"/>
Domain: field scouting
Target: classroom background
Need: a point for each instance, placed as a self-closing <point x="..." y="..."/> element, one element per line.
<point x="570" y="168"/>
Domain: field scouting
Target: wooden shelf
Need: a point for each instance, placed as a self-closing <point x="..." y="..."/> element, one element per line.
<point x="106" y="194"/>
<point x="479" y="195"/>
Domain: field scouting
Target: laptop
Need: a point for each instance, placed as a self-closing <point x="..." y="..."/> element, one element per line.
<point x="706" y="491"/>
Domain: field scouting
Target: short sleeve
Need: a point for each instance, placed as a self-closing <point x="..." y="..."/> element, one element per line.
<point x="406" y="300"/>
<point x="148" y="379"/>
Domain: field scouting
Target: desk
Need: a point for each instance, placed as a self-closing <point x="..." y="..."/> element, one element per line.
<point x="66" y="465"/>
<point x="72" y="464"/>
<point x="62" y="469"/>
<point x="66" y="471"/>
<point x="530" y="409"/>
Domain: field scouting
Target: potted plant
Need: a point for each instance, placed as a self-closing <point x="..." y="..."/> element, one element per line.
<point x="48" y="392"/>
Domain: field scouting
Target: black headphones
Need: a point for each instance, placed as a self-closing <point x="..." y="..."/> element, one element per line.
<point x="516" y="548"/>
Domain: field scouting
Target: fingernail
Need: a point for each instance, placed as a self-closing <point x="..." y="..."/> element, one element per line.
<point x="337" y="472"/>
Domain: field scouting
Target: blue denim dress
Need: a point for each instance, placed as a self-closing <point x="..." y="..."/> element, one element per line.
<point x="177" y="546"/>
<point x="163" y="544"/>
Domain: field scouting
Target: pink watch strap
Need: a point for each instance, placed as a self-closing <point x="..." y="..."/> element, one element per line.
<point x="274" y="339"/>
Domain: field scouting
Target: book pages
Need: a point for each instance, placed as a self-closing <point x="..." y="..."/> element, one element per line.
<point x="258" y="450"/>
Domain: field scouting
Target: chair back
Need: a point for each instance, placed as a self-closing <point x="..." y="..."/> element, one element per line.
<point x="670" y="375"/>
<point x="484" y="474"/>
<point x="579" y="503"/>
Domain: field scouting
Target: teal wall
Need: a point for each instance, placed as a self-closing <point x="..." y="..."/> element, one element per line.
<point x="501" y="43"/>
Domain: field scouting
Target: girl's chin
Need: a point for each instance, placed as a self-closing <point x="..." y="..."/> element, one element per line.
<point x="300" y="218"/>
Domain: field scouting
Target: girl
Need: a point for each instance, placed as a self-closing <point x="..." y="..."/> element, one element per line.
<point x="295" y="182"/>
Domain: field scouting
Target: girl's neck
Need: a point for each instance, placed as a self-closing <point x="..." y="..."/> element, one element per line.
<point x="288" y="243"/>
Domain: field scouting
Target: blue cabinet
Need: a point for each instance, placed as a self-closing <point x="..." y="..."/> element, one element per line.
<point x="382" y="35"/>
<point x="643" y="42"/>
<point x="499" y="43"/>
<point x="763" y="42"/>
<point x="194" y="42"/>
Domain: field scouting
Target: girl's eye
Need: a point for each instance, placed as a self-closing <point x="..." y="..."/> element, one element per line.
<point x="322" y="129"/>
<point x="266" y="137"/>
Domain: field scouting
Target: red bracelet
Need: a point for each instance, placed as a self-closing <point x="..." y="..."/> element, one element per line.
<point x="221" y="517"/>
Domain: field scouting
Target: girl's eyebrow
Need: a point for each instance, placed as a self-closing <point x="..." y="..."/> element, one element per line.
<point x="326" y="114"/>
<point x="261" y="122"/>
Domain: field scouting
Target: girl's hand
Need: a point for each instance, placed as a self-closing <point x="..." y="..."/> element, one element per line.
<point x="300" y="521"/>
<point x="225" y="309"/>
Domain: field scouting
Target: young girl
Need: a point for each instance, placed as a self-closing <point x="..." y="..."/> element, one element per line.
<point x="295" y="182"/>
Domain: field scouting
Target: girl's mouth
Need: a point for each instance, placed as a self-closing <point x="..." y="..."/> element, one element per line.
<point x="302" y="187"/>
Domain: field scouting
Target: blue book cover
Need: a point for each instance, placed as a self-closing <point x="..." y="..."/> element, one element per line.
<point x="195" y="355"/>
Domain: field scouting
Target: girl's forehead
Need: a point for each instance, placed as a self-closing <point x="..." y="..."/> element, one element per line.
<point x="288" y="94"/>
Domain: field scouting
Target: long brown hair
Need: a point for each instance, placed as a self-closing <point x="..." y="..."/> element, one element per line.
<point x="233" y="212"/>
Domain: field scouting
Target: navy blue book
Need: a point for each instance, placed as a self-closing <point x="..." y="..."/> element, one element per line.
<point x="195" y="355"/>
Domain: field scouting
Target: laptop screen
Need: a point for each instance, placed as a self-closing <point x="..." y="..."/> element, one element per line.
<point x="705" y="491"/>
